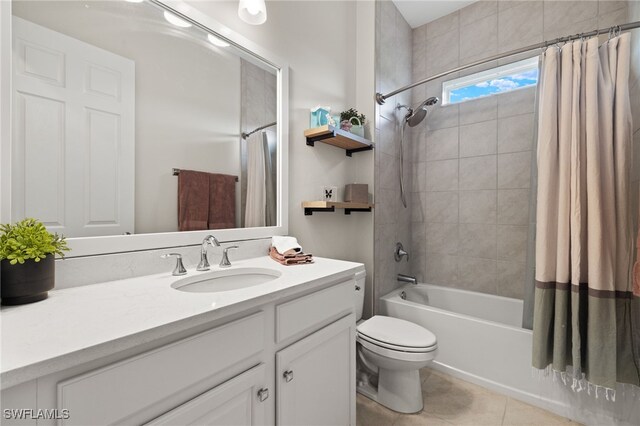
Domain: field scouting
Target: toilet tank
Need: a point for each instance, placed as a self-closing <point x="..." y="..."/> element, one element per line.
<point x="358" y="298"/>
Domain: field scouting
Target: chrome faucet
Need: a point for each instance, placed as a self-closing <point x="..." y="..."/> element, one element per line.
<point x="224" y="262"/>
<point x="179" y="269"/>
<point x="204" y="261"/>
<point x="407" y="279"/>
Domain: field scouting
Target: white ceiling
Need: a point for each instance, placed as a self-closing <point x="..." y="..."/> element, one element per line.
<point x="418" y="13"/>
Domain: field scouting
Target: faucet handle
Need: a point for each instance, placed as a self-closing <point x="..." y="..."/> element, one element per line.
<point x="224" y="262"/>
<point x="400" y="252"/>
<point x="179" y="269"/>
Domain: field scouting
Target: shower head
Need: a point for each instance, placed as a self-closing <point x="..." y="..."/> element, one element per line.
<point x="415" y="117"/>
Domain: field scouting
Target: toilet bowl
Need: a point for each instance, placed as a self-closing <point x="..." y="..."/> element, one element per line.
<point x="391" y="353"/>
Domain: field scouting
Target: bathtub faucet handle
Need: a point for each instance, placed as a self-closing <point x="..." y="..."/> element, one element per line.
<point x="400" y="252"/>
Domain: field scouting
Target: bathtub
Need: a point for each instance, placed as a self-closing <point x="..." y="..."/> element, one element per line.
<point x="480" y="339"/>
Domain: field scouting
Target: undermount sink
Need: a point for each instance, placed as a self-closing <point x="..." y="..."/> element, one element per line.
<point x="227" y="280"/>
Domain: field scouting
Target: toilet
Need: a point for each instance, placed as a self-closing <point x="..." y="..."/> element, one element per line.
<point x="390" y="354"/>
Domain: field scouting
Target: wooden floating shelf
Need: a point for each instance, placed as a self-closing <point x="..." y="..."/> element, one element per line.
<point x="339" y="138"/>
<point x="330" y="206"/>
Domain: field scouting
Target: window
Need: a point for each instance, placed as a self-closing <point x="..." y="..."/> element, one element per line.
<point x="502" y="79"/>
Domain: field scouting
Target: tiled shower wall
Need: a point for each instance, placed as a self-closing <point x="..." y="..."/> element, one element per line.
<point x="472" y="161"/>
<point x="391" y="219"/>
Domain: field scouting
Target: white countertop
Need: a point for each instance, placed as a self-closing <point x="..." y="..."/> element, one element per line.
<point x="86" y="323"/>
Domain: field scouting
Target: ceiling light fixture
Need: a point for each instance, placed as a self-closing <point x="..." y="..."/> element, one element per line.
<point x="253" y="12"/>
<point x="178" y="22"/>
<point x="217" y="41"/>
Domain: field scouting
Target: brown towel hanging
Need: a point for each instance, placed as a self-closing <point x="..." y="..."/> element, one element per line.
<point x="193" y="200"/>
<point x="222" y="201"/>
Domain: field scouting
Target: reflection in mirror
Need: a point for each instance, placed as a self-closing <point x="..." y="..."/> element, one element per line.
<point x="109" y="97"/>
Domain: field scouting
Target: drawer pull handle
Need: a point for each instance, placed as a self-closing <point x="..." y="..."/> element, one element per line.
<point x="263" y="394"/>
<point x="288" y="376"/>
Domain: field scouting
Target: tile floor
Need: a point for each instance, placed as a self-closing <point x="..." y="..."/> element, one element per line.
<point x="451" y="401"/>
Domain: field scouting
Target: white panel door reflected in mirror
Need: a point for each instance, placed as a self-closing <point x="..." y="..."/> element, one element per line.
<point x="110" y="97"/>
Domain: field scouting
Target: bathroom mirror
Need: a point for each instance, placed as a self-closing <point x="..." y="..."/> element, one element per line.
<point x="140" y="124"/>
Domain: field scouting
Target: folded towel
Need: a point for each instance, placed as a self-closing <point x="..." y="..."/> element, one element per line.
<point x="290" y="259"/>
<point x="286" y="245"/>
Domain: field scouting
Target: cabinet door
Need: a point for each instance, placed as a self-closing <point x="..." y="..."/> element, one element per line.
<point x="315" y="377"/>
<point x="240" y="401"/>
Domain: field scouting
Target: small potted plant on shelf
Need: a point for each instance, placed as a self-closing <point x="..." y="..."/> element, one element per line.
<point x="27" y="267"/>
<point x="352" y="121"/>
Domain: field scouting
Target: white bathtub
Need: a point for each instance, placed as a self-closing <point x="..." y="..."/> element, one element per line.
<point x="480" y="340"/>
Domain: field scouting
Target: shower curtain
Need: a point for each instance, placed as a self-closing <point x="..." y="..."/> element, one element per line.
<point x="586" y="318"/>
<point x="255" y="205"/>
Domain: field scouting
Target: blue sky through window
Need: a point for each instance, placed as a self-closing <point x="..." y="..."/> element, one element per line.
<point x="497" y="85"/>
<point x="490" y="82"/>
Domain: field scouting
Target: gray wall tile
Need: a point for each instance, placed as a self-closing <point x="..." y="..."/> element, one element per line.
<point x="441" y="269"/>
<point x="442" y="52"/>
<point x="513" y="206"/>
<point x="518" y="102"/>
<point x="442" y="25"/>
<point x="520" y="26"/>
<point x="442" y="144"/>
<point x="441" y="207"/>
<point x="511" y="279"/>
<point x="478" y="110"/>
<point x="514" y="170"/>
<point x="478" y="206"/>
<point x="477" y="240"/>
<point x="442" y="175"/>
<point x="478" y="139"/>
<point x="442" y="238"/>
<point x="478" y="172"/>
<point x="515" y="133"/>
<point x="512" y="242"/>
<point x="477" y="274"/>
<point x="477" y="10"/>
<point x="479" y="39"/>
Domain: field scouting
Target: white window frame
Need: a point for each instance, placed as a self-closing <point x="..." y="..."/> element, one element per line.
<point x="490" y="74"/>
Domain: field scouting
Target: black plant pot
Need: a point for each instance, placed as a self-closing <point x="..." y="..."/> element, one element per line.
<point x="26" y="283"/>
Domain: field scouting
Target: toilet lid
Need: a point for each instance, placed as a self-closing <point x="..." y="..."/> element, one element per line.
<point x="396" y="332"/>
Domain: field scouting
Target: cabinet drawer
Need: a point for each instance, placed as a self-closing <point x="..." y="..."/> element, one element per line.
<point x="235" y="402"/>
<point x="113" y="393"/>
<point x="314" y="310"/>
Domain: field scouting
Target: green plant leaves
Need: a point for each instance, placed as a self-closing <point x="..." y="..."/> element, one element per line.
<point x="29" y="239"/>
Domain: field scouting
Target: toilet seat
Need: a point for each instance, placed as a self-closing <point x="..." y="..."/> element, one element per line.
<point x="362" y="337"/>
<point x="396" y="334"/>
<point x="398" y="355"/>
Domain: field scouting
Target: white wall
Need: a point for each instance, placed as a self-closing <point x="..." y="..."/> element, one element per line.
<point x="328" y="66"/>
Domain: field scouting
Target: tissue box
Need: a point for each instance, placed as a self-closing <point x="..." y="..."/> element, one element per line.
<point x="356" y="193"/>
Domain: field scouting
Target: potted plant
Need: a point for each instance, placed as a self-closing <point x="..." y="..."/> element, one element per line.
<point x="27" y="267"/>
<point x="352" y="121"/>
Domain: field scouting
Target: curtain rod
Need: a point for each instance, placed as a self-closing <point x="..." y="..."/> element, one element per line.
<point x="380" y="98"/>
<point x="257" y="129"/>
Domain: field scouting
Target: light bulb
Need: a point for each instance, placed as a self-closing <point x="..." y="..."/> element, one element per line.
<point x="217" y="41"/>
<point x="253" y="9"/>
<point x="178" y="22"/>
<point x="252" y="12"/>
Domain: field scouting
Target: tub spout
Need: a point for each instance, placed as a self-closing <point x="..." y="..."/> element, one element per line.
<point x="407" y="279"/>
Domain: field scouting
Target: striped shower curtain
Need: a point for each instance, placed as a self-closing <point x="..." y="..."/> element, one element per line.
<point x="586" y="318"/>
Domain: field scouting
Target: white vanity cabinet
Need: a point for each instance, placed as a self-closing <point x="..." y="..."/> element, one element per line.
<point x="287" y="361"/>
<point x="240" y="401"/>
<point x="315" y="377"/>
